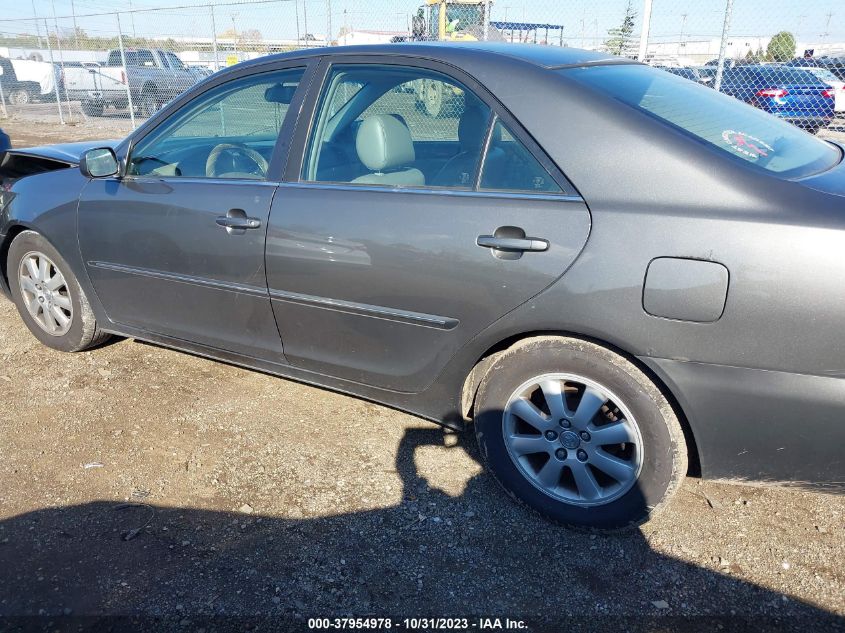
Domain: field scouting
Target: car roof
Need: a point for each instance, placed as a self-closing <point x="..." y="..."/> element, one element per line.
<point x="457" y="52"/>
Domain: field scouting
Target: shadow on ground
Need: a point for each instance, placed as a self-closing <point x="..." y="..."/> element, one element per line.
<point x="424" y="557"/>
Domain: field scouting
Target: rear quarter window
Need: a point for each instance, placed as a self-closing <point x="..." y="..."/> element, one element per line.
<point x="731" y="126"/>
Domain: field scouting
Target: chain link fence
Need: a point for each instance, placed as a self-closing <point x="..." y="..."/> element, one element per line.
<point x="112" y="64"/>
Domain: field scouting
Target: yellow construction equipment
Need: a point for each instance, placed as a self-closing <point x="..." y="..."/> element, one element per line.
<point x="456" y="20"/>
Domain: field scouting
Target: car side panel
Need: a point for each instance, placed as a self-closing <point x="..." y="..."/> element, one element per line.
<point x="382" y="287"/>
<point x="763" y="426"/>
<point x="47" y="203"/>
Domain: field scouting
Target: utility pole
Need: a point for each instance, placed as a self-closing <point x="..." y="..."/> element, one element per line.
<point x="801" y="19"/>
<point x="214" y="40"/>
<point x="681" y="36"/>
<point x="75" y="28"/>
<point x="296" y="9"/>
<point x="55" y="80"/>
<point x="328" y="22"/>
<point x="641" y="55"/>
<point x="235" y="36"/>
<point x="305" y="20"/>
<point x="37" y="26"/>
<point x="826" y="33"/>
<point x="132" y="20"/>
<point x="123" y="63"/>
<point x="61" y="56"/>
<point x="723" y="45"/>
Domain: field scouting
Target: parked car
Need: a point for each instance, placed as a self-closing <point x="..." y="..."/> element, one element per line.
<point x="200" y="72"/>
<point x="154" y="77"/>
<point x="831" y="80"/>
<point x="836" y="65"/>
<point x="794" y="95"/>
<point x="545" y="270"/>
<point x="17" y="92"/>
<point x="688" y="72"/>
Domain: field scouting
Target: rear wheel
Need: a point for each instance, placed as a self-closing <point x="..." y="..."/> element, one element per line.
<point x="149" y="103"/>
<point x="579" y="434"/>
<point x="49" y="297"/>
<point x="19" y="97"/>
<point x="92" y="108"/>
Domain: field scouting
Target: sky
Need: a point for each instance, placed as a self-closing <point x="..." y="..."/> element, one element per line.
<point x="584" y="21"/>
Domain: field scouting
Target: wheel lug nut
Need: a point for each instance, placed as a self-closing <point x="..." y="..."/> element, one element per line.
<point x="565" y="423"/>
<point x="560" y="454"/>
<point x="582" y="455"/>
<point x="585" y="436"/>
<point x="551" y="436"/>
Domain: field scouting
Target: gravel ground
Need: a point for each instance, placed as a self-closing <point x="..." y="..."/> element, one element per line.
<point x="140" y="481"/>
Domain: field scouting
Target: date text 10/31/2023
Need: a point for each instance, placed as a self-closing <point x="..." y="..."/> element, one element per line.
<point x="423" y="623"/>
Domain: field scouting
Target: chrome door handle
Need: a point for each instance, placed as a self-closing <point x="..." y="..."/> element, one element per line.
<point x="515" y="244"/>
<point x="236" y="222"/>
<point x="239" y="223"/>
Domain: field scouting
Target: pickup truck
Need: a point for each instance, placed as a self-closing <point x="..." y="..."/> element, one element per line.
<point x="17" y="92"/>
<point x="154" y="77"/>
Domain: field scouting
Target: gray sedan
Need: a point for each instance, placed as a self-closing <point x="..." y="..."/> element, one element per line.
<point x="613" y="275"/>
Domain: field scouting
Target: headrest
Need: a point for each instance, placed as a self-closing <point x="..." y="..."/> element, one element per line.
<point x="384" y="142"/>
<point x="472" y="128"/>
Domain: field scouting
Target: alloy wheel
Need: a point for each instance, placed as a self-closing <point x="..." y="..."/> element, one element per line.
<point x="45" y="293"/>
<point x="573" y="439"/>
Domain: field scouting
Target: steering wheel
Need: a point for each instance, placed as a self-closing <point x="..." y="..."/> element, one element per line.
<point x="237" y="149"/>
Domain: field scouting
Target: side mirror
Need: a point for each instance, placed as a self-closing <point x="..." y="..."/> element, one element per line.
<point x="280" y="93"/>
<point x="99" y="163"/>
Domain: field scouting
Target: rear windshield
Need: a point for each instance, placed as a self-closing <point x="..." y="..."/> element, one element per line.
<point x="723" y="122"/>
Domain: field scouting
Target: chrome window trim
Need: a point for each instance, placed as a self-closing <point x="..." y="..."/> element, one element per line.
<point x="512" y="195"/>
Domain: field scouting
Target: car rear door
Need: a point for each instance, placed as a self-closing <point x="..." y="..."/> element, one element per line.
<point x="176" y="245"/>
<point x="382" y="284"/>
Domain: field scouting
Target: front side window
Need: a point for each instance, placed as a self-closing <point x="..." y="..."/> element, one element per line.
<point x="227" y="132"/>
<point x="723" y="122"/>
<point x="396" y="126"/>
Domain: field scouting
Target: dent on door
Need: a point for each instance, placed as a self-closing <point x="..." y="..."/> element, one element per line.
<point x="383" y="287"/>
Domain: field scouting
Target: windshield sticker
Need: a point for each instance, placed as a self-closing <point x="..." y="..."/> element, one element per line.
<point x="747" y="145"/>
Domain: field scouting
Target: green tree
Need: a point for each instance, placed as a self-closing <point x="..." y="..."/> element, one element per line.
<point x="781" y="47"/>
<point x="752" y="57"/>
<point x="621" y="40"/>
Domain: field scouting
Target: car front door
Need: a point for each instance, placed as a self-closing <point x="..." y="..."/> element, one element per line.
<point x="402" y="235"/>
<point x="175" y="245"/>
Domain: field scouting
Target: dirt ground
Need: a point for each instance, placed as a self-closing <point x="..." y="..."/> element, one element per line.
<point x="144" y="482"/>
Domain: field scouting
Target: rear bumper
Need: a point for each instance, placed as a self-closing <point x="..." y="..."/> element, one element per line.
<point x="759" y="425"/>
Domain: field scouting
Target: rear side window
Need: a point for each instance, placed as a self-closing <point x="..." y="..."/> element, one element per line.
<point x="723" y="122"/>
<point x="509" y="166"/>
<point x="396" y="126"/>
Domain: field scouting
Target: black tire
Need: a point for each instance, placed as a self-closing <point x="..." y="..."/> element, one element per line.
<point x="20" y="97"/>
<point x="664" y="461"/>
<point x="149" y="103"/>
<point x="92" y="108"/>
<point x="84" y="332"/>
<point x="434" y="99"/>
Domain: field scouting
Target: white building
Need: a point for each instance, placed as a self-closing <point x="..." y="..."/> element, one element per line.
<point x="694" y="52"/>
